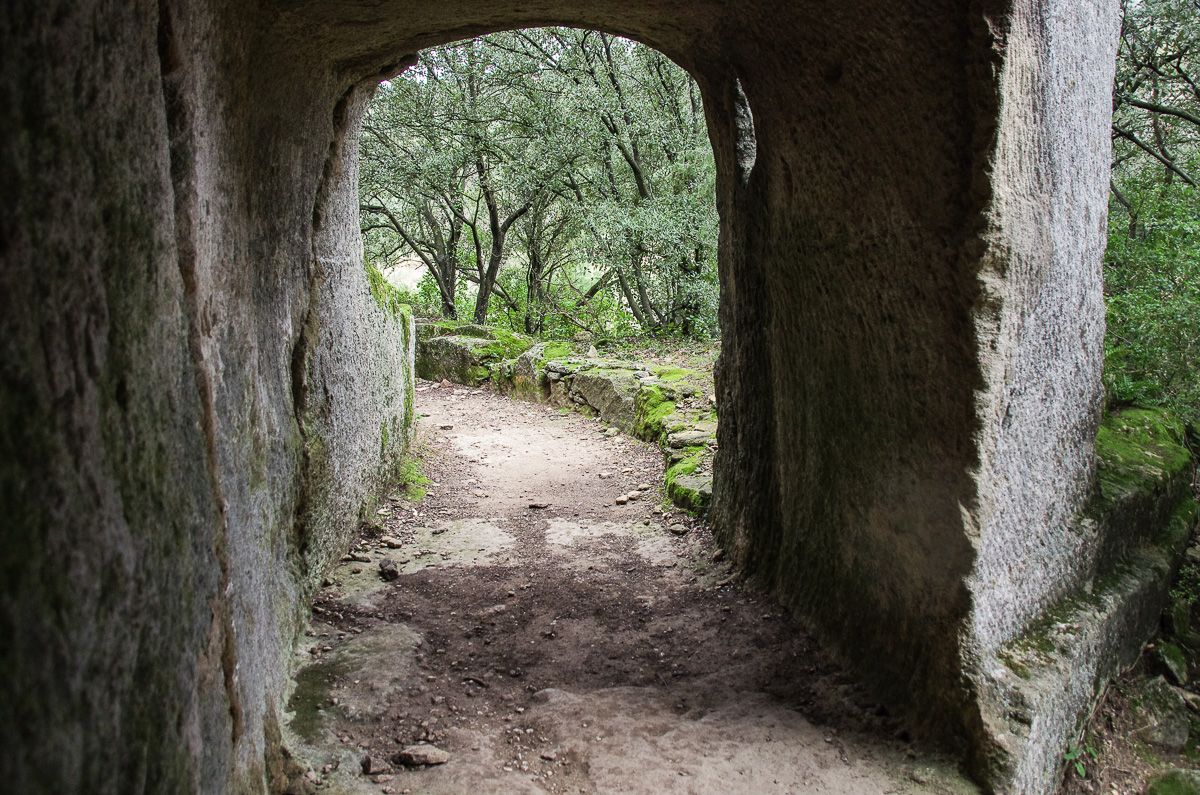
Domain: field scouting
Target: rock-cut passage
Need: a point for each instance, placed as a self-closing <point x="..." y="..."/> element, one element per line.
<point x="518" y="630"/>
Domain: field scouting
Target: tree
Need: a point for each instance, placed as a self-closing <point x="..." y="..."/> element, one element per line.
<point x="589" y="151"/>
<point x="1152" y="268"/>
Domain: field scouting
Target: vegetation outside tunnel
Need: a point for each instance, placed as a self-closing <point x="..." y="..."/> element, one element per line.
<point x="546" y="180"/>
<point x="551" y="180"/>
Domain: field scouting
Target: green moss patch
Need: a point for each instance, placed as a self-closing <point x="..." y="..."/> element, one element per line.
<point x="505" y="345"/>
<point x="651" y="409"/>
<point x="1175" y="782"/>
<point x="673" y="374"/>
<point x="411" y="480"/>
<point x="685" y="488"/>
<point x="556" y="350"/>
<point x="387" y="296"/>
<point x="1137" y="450"/>
<point x="310" y="698"/>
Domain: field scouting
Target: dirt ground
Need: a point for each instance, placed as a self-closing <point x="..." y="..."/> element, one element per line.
<point x="1116" y="759"/>
<point x="551" y="640"/>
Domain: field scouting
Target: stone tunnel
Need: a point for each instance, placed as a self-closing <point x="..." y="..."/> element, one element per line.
<point x="199" y="397"/>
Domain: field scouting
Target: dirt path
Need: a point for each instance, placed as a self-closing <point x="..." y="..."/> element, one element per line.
<point x="551" y="640"/>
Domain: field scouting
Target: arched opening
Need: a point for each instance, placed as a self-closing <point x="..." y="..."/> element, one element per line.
<point x="539" y="581"/>
<point x="539" y="616"/>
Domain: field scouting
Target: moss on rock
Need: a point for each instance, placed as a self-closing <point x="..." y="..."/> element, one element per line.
<point x="1175" y="782"/>
<point x="685" y="487"/>
<point x="387" y="296"/>
<point x="1136" y="450"/>
<point x="652" y="407"/>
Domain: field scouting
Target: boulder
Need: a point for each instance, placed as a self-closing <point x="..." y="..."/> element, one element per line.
<point x="610" y="391"/>
<point x="458" y="359"/>
<point x="689" y="438"/>
<point x="1165" y="719"/>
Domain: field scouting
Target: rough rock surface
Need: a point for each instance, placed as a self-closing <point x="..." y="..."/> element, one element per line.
<point x="422" y="754"/>
<point x="199" y="393"/>
<point x="1038" y="688"/>
<point x="1166" y="719"/>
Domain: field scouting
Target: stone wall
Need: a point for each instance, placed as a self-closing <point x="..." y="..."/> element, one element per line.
<point x="669" y="407"/>
<point x="198" y="391"/>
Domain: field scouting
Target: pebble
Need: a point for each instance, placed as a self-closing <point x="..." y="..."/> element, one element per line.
<point x="388" y="570"/>
<point x="624" y="498"/>
<point x="372" y="766"/>
<point x="678" y="529"/>
<point x="422" y="754"/>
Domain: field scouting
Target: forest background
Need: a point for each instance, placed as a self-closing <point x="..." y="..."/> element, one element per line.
<point x="553" y="180"/>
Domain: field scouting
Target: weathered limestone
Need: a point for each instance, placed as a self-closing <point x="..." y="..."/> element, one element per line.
<point x="1037" y="687"/>
<point x="199" y="393"/>
<point x="194" y="385"/>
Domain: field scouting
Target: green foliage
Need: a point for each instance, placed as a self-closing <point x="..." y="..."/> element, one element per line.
<point x="546" y="180"/>
<point x="1152" y="284"/>
<point x="1077" y="757"/>
<point x="1152" y="269"/>
<point x="1186" y="587"/>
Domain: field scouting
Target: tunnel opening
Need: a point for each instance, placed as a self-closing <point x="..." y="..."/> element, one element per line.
<point x="542" y="578"/>
<point x="544" y="202"/>
<point x="549" y="181"/>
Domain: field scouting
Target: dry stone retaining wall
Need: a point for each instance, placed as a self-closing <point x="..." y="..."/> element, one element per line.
<point x="669" y="407"/>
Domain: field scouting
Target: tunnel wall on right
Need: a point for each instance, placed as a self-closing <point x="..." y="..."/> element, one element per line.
<point x="909" y="383"/>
